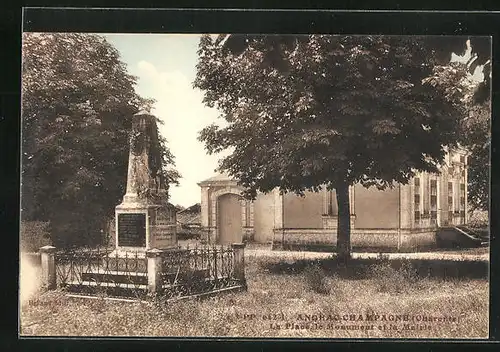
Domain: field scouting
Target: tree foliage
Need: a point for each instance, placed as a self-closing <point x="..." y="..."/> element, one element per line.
<point x="77" y="106"/>
<point x="473" y="94"/>
<point x="477" y="135"/>
<point x="307" y="111"/>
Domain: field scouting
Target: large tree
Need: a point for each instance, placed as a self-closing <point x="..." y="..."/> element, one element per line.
<point x="77" y="106"/>
<point x="466" y="82"/>
<point x="314" y="110"/>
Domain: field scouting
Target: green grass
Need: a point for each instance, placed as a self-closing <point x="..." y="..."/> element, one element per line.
<point x="279" y="289"/>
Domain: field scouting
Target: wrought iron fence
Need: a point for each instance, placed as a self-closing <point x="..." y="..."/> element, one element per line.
<point x="101" y="270"/>
<point x="174" y="273"/>
<point x="197" y="270"/>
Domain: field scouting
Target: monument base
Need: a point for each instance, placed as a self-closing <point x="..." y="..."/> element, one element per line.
<point x="129" y="252"/>
<point x="130" y="260"/>
<point x="140" y="227"/>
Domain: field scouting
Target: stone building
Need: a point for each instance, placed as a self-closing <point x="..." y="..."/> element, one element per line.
<point x="401" y="218"/>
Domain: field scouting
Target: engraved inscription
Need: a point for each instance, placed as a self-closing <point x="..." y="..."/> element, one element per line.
<point x="163" y="217"/>
<point x="132" y="230"/>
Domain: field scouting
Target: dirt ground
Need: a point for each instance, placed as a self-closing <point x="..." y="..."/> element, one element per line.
<point x="260" y="250"/>
<point x="466" y="254"/>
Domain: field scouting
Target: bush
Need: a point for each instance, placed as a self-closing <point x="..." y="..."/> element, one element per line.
<point x="390" y="279"/>
<point x="479" y="219"/>
<point x="33" y="235"/>
<point x="315" y="278"/>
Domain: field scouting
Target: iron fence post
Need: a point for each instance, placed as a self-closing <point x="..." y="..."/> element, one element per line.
<point x="48" y="267"/>
<point x="154" y="270"/>
<point x="239" y="262"/>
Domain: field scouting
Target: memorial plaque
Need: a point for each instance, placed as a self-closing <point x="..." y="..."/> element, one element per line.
<point x="132" y="230"/>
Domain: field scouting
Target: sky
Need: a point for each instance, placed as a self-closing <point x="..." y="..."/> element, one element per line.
<point x="165" y="65"/>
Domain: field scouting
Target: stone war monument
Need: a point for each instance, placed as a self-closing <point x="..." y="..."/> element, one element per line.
<point x="144" y="219"/>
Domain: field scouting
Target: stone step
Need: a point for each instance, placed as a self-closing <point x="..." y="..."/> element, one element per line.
<point x="108" y="284"/>
<point x="454" y="236"/>
<point x="112" y="299"/>
<point x="199" y="274"/>
<point x="132" y="290"/>
<point x="109" y="289"/>
<point x="111" y="284"/>
<point x="140" y="278"/>
<point x="116" y="277"/>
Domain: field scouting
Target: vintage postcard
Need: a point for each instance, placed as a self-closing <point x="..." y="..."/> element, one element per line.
<point x="255" y="185"/>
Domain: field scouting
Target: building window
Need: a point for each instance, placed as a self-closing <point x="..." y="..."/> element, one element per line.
<point x="433" y="196"/>
<point x="456" y="196"/>
<point x="433" y="217"/>
<point x="417" y="182"/>
<point x="433" y="202"/>
<point x="247" y="213"/>
<point x="434" y="187"/>
<point x="462" y="159"/>
<point x="417" y="200"/>
<point x="426" y="194"/>
<point x="417" y="216"/>
<point x="330" y="202"/>
<point x="450" y="196"/>
<point x="462" y="197"/>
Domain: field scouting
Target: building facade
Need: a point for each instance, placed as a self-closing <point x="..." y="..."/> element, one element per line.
<point x="404" y="217"/>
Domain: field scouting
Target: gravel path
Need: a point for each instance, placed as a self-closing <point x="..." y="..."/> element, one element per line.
<point x="321" y="255"/>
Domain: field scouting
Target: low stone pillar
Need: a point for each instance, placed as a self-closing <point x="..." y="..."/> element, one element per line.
<point x="154" y="270"/>
<point x="48" y="267"/>
<point x="239" y="261"/>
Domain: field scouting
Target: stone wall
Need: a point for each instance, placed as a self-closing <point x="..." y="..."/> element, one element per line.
<point x="365" y="239"/>
<point x="375" y="208"/>
<point x="264" y="209"/>
<point x="419" y="239"/>
<point x="209" y="235"/>
<point x="303" y="212"/>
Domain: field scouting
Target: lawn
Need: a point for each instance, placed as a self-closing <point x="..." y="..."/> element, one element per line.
<point x="288" y="297"/>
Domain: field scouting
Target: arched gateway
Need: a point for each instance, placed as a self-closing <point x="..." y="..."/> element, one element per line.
<point x="225" y="215"/>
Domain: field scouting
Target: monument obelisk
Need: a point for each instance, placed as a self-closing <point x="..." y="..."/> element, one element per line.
<point x="144" y="219"/>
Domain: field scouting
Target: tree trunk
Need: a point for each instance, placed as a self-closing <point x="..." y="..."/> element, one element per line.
<point x="343" y="223"/>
